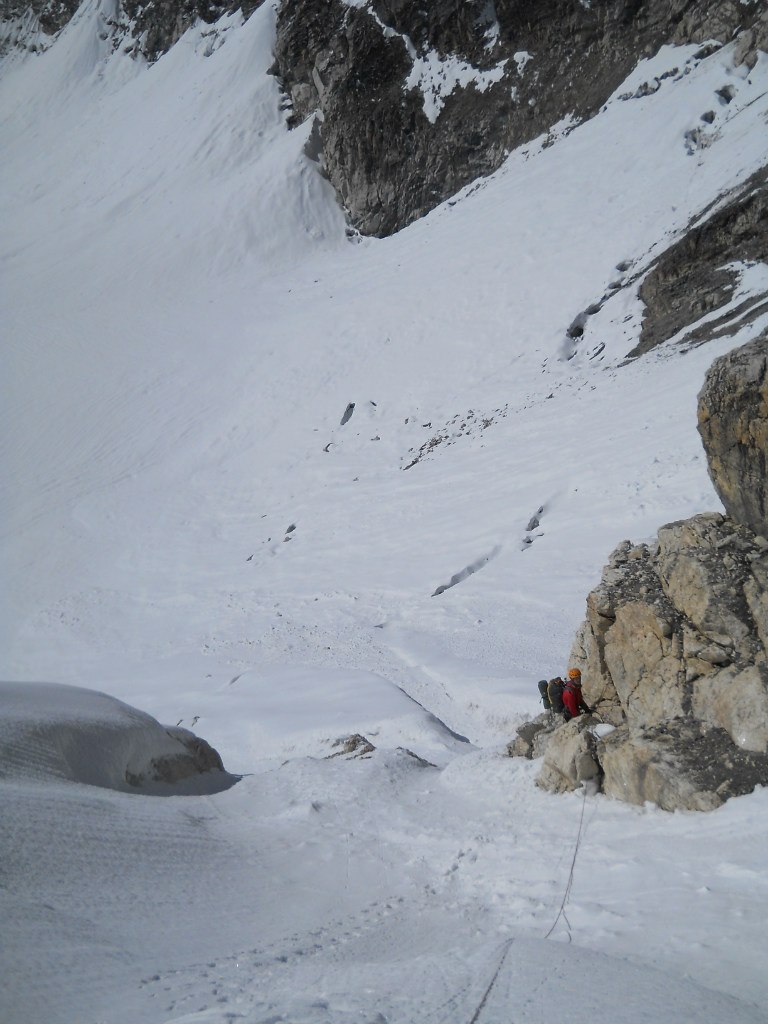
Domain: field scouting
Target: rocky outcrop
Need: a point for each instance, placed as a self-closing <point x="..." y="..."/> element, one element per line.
<point x="733" y="423"/>
<point x="570" y="758"/>
<point x="415" y="101"/>
<point x="698" y="276"/>
<point x="678" y="631"/>
<point x="674" y="648"/>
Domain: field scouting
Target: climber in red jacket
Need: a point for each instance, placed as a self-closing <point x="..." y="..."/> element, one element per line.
<point x="573" y="701"/>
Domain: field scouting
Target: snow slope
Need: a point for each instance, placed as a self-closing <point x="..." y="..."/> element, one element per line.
<point x="188" y="526"/>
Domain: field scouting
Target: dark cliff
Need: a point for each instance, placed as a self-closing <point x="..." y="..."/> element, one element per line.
<point x="374" y="71"/>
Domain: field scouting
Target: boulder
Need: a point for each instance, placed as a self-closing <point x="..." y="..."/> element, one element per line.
<point x="355" y="745"/>
<point x="532" y="737"/>
<point x="570" y="758"/>
<point x="733" y="423"/>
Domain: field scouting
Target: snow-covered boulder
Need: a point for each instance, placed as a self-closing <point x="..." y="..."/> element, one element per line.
<point x="52" y="732"/>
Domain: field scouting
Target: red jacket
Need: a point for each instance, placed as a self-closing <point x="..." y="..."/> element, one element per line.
<point x="573" y="700"/>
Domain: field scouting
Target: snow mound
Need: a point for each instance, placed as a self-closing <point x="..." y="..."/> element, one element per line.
<point x="52" y="732"/>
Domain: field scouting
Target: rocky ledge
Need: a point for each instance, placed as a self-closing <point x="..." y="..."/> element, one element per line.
<point x="674" y="647"/>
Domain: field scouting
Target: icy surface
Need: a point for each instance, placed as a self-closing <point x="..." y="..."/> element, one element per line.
<point x="187" y="527"/>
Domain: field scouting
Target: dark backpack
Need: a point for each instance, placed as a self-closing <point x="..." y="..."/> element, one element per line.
<point x="544" y="695"/>
<point x="555" y="694"/>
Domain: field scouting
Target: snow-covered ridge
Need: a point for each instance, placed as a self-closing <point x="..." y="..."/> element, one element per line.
<point x="22" y="34"/>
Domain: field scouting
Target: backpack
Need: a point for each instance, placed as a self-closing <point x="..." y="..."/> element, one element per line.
<point x="555" y="694"/>
<point x="544" y="695"/>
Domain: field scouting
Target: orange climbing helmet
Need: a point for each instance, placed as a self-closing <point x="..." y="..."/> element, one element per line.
<point x="574" y="674"/>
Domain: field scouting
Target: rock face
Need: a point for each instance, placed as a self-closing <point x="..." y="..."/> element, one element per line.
<point x="674" y="648"/>
<point x="733" y="423"/>
<point x="50" y="15"/>
<point x="155" y="27"/>
<point x="695" y="277"/>
<point x="145" y="30"/>
<point x="417" y="100"/>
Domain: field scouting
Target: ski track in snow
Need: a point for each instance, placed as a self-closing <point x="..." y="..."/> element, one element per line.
<point x="188" y="526"/>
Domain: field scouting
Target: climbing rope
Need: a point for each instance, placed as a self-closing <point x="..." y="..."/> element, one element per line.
<point x="567" y="893"/>
<point x="479" y="1010"/>
<point x="560" y="913"/>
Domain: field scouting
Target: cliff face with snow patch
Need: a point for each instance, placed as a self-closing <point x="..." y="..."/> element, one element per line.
<point x="414" y="103"/>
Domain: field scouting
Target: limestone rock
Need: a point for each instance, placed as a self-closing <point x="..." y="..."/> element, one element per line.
<point x="628" y="640"/>
<point x="570" y="758"/>
<point x="736" y="701"/>
<point x="532" y="737"/>
<point x="673" y="650"/>
<point x="674" y="641"/>
<point x="733" y="423"/>
<point x="704" y="565"/>
<point x="678" y="766"/>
